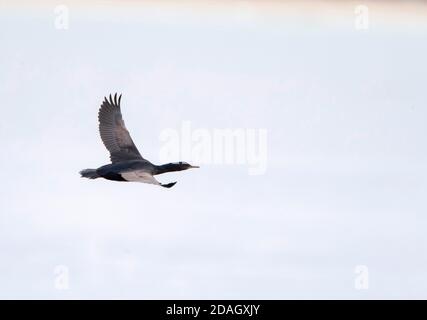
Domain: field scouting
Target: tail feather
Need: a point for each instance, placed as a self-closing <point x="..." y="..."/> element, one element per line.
<point x="89" y="173"/>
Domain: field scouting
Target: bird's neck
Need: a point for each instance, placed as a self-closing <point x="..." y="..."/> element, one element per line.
<point x="168" y="167"/>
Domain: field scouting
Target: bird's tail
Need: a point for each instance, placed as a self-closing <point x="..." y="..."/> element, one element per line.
<point x="89" y="173"/>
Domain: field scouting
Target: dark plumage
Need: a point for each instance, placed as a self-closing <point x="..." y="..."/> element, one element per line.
<point x="127" y="164"/>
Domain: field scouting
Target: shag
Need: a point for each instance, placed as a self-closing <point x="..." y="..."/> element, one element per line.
<point x="127" y="164"/>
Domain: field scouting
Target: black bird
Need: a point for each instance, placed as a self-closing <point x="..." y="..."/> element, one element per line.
<point x="127" y="164"/>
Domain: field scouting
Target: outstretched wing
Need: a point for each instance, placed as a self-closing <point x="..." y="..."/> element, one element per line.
<point x="114" y="134"/>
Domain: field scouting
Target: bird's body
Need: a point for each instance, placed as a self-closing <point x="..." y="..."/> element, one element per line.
<point x="127" y="163"/>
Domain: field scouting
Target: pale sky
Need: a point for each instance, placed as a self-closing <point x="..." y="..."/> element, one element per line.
<point x="345" y="112"/>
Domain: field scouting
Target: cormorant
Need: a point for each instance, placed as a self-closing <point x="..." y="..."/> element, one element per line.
<point x="127" y="164"/>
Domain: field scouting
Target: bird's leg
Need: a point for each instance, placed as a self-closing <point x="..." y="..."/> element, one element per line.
<point x="168" y="185"/>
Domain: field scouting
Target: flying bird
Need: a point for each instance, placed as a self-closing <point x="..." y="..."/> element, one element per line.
<point x="127" y="164"/>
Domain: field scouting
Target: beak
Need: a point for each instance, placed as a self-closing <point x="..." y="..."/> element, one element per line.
<point x="194" y="167"/>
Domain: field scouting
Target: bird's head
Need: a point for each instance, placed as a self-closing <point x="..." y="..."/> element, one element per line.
<point x="184" y="166"/>
<point x="174" y="166"/>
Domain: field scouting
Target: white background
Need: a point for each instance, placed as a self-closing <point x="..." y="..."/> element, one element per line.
<point x="345" y="111"/>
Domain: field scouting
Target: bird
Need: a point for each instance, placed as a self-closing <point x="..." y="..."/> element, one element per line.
<point x="127" y="164"/>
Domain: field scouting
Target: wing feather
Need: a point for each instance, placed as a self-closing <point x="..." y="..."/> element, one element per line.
<point x="114" y="134"/>
<point x="140" y="176"/>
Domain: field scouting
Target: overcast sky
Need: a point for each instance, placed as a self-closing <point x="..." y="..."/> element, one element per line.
<point x="345" y="184"/>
